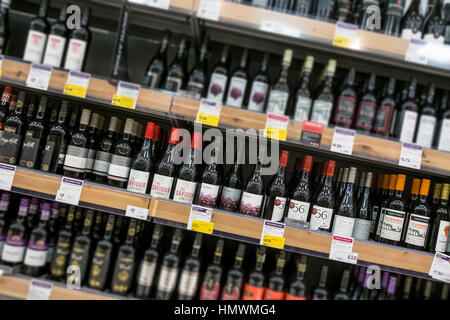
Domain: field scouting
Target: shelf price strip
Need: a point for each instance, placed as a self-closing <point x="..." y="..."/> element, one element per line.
<point x="127" y="95"/>
<point x="276" y="127"/>
<point x="341" y="249"/>
<point x="209" y="113"/>
<point x="39" y="290"/>
<point x="210" y="9"/>
<point x="7" y="173"/>
<point x="77" y="84"/>
<point x="411" y="156"/>
<point x="440" y="268"/>
<point x="343" y="140"/>
<point x="70" y="191"/>
<point x="136" y="212"/>
<point x="345" y="35"/>
<point x="272" y="234"/>
<point x="200" y="219"/>
<point x="39" y="76"/>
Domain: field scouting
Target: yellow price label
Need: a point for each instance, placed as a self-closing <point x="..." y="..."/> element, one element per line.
<point x="273" y="241"/>
<point x="124" y="102"/>
<point x="343" y="42"/>
<point x="275" y="133"/>
<point x="75" y="90"/>
<point x="202" y="226"/>
<point x="208" y="119"/>
<point x="1" y="71"/>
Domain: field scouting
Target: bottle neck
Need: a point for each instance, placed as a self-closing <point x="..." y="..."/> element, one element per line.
<point x="217" y="258"/>
<point x="43" y="9"/>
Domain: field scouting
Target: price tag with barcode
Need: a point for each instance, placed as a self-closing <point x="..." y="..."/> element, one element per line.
<point x="1" y="65"/>
<point x="342" y="249"/>
<point x="7" y="173"/>
<point x="440" y="268"/>
<point x="280" y="28"/>
<point x="276" y="127"/>
<point x="210" y="9"/>
<point x="70" y="191"/>
<point x="136" y="212"/>
<point x="272" y="234"/>
<point x="345" y="35"/>
<point x="77" y="84"/>
<point x="161" y="4"/>
<point x="209" y="113"/>
<point x="39" y="290"/>
<point x="39" y="76"/>
<point x="127" y="95"/>
<point x="417" y="51"/>
<point x="343" y="140"/>
<point x="200" y="219"/>
<point x="411" y="156"/>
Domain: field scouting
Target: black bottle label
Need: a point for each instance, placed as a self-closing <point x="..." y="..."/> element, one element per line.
<point x="59" y="261"/>
<point x="30" y="151"/>
<point x="9" y="147"/>
<point x="123" y="274"/>
<point x="79" y="257"/>
<point x="99" y="269"/>
<point x="47" y="157"/>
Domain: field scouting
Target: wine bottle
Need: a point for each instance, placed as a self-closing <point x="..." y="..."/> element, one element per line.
<point x="232" y="187"/>
<point x="343" y="11"/>
<point x="303" y="97"/>
<point x="4" y="206"/>
<point x="197" y="79"/>
<point x="157" y="66"/>
<point x="302" y="7"/>
<point x="238" y="83"/>
<point x="37" y="35"/>
<point x="297" y="288"/>
<point x="443" y="143"/>
<point x="31" y="219"/>
<point x="254" y="287"/>
<point x="233" y="284"/>
<point x="53" y="227"/>
<point x="169" y="269"/>
<point x="4" y="27"/>
<point x="434" y="26"/>
<point x="323" y="103"/>
<point x="78" y="149"/>
<point x="412" y="22"/>
<point x="252" y="195"/>
<point x="105" y="149"/>
<point x="441" y="223"/>
<point x="427" y="121"/>
<point x="343" y="293"/>
<point x="367" y="107"/>
<point x="346" y="103"/>
<point x="321" y="292"/>
<point x="219" y="78"/>
<point x="209" y="184"/>
<point x="190" y="272"/>
<point x="322" y="211"/>
<point x="78" y="46"/>
<point x="260" y="86"/>
<point x="344" y="219"/>
<point x="276" y="281"/>
<point x="363" y="221"/>
<point x="407" y="288"/>
<point x="277" y="192"/>
<point x="393" y="17"/>
<point x="427" y="291"/>
<point x="324" y="9"/>
<point x="94" y="134"/>
<point x="119" y="66"/>
<point x="210" y="289"/>
<point x="177" y="72"/>
<point x="407" y="118"/>
<point x="56" y="41"/>
<point x="385" y="111"/>
<point x="4" y="106"/>
<point x="360" y="185"/>
<point x="279" y="92"/>
<point x="388" y="188"/>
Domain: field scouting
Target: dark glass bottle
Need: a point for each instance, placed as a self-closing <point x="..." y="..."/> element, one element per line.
<point x="94" y="135"/>
<point x="441" y="223"/>
<point x="344" y="11"/>
<point x="56" y="41"/>
<point x="324" y="9"/>
<point x="412" y="22"/>
<point x="177" y="72"/>
<point x="209" y="184"/>
<point x="407" y="116"/>
<point x="233" y="283"/>
<point x="297" y="288"/>
<point x="389" y="187"/>
<point x="260" y="86"/>
<point x="367" y="107"/>
<point x="4" y="221"/>
<point x="190" y="272"/>
<point x="78" y="46"/>
<point x="104" y="152"/>
<point x="427" y="121"/>
<point x="276" y="281"/>
<point x="253" y="194"/>
<point x="119" y="67"/>
<point x="385" y="111"/>
<point x="321" y="292"/>
<point x="344" y="219"/>
<point x="197" y="79"/>
<point x="303" y="7"/>
<point x="31" y="219"/>
<point x="4" y="26"/>
<point x="232" y="187"/>
<point x="323" y="104"/>
<point x="277" y="192"/>
<point x="254" y="287"/>
<point x="363" y="221"/>
<point x="346" y="103"/>
<point x="343" y="288"/>
<point x="4" y="106"/>
<point x="53" y="227"/>
<point x="157" y="66"/>
<point x="300" y="198"/>
<point x="210" y="289"/>
<point x="434" y="26"/>
<point x="238" y="83"/>
<point x="303" y="100"/>
<point x="393" y="17"/>
<point x="219" y="78"/>
<point x="279" y="92"/>
<point x="37" y="35"/>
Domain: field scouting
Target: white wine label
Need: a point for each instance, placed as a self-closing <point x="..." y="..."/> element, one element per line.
<point x="277" y="102"/>
<point x="119" y="169"/>
<point x="34" y="49"/>
<point x="258" y="96"/>
<point x="138" y="181"/>
<point x="321" y="111"/>
<point x="279" y="204"/>
<point x="184" y="191"/>
<point x="188" y="283"/>
<point x="75" y="56"/>
<point x="442" y="236"/>
<point x="302" y="108"/>
<point x="392" y="225"/>
<point x="362" y="229"/>
<point x="13" y="253"/>
<point x="147" y="274"/>
<point x="217" y="86"/>
<point x="408" y="34"/>
<point x="69" y="191"/>
<point x="408" y="127"/>
<point x="444" y="141"/>
<point x="39" y="290"/>
<point x="236" y="92"/>
<point x="417" y="230"/>
<point x="208" y="195"/>
<point x="35" y="258"/>
<point x="425" y="133"/>
<point x="251" y="204"/>
<point x="173" y="84"/>
<point x="76" y="158"/>
<point x="432" y="38"/>
<point x="411" y="156"/>
<point x="167" y="279"/>
<point x="54" y="50"/>
<point x="343" y="226"/>
<point x="161" y="186"/>
<point x="298" y="210"/>
<point x="7" y="173"/>
<point x="320" y="218"/>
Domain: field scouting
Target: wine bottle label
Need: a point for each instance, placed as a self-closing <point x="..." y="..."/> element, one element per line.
<point x="75" y="159"/>
<point x="320" y="218"/>
<point x="216" y="88"/>
<point x="167" y="279"/>
<point x="258" y="96"/>
<point x="188" y="283"/>
<point x="10" y="144"/>
<point x="79" y="257"/>
<point x="4" y="207"/>
<point x="410" y="34"/>
<point x="147" y="273"/>
<point x="196" y="88"/>
<point x="417" y="230"/>
<point x="76" y="52"/>
<point x="119" y="169"/>
<point x="425" y="133"/>
<point x="30" y="152"/>
<point x="375" y="210"/>
<point x="343" y="226"/>
<point x="298" y="210"/>
<point x="59" y="260"/>
<point x="34" y="49"/>
<point x="47" y="156"/>
<point x="250" y="204"/>
<point x="366" y="114"/>
<point x="392" y="225"/>
<point x="277" y="102"/>
<point x="408" y="126"/>
<point x="101" y="164"/>
<point x="236" y="92"/>
<point x="184" y="191"/>
<point x="273" y="295"/>
<point x="99" y="268"/>
<point x="230" y="292"/>
<point x="361" y="230"/>
<point x="13" y="249"/>
<point x="154" y="75"/>
<point x="54" y="50"/>
<point x="302" y="108"/>
<point x="230" y="199"/>
<point x="382" y="119"/>
<point x="345" y="110"/>
<point x="292" y="297"/>
<point x="444" y="141"/>
<point x="433" y="38"/>
<point x="90" y="160"/>
<point x="161" y="186"/>
<point x="208" y="195"/>
<point x="123" y="273"/>
<point x="210" y="290"/>
<point x="252" y="293"/>
<point x="442" y="236"/>
<point x="173" y="84"/>
<point x="138" y="181"/>
<point x="36" y="254"/>
<point x="279" y="203"/>
<point x="321" y="111"/>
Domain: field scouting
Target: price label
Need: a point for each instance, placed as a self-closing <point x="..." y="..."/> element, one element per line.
<point x="161" y="4"/>
<point x="143" y="2"/>
<point x="417" y="51"/>
<point x="411" y="156"/>
<point x="311" y="133"/>
<point x="136" y="212"/>
<point x="343" y="140"/>
<point x="342" y="249"/>
<point x="77" y="84"/>
<point x="127" y="95"/>
<point x="39" y="290"/>
<point x="345" y="35"/>
<point x="7" y="173"/>
<point x="210" y="9"/>
<point x="440" y="268"/>
<point x="70" y="191"/>
<point x="209" y="113"/>
<point x="200" y="219"/>
<point x="1" y="65"/>
<point x="276" y="127"/>
<point x="279" y="28"/>
<point x="39" y="76"/>
<point x="272" y="234"/>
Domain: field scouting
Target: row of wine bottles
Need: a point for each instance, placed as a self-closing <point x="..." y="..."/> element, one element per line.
<point x="124" y="256"/>
<point x="397" y="18"/>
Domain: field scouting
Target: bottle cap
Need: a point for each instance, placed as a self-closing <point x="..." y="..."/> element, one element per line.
<point x="156" y="133"/>
<point x="85" y="116"/>
<point x="307" y="163"/>
<point x="368" y="182"/>
<point x="437" y="190"/>
<point x="173" y="136"/>
<point x="386" y="178"/>
<point x="101" y="122"/>
<point x="5" y="196"/>
<point x="352" y="175"/>
<point x="129" y="124"/>
<point x="425" y="187"/>
<point x="415" y="186"/>
<point x="330" y="169"/>
<point x="392" y="181"/>
<point x="339" y="174"/>
<point x="331" y="66"/>
<point x="345" y="175"/>
<point x="379" y="181"/>
<point x="309" y="63"/>
<point x="113" y="123"/>
<point x="197" y="139"/>
<point x="287" y="58"/>
<point x="445" y="191"/>
<point x="94" y="120"/>
<point x="400" y="183"/>
<point x="284" y="157"/>
<point x="149" y="130"/>
<point x="34" y="201"/>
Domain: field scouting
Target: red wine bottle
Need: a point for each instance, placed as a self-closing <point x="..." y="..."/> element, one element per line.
<point x="407" y="116"/>
<point x="346" y="104"/>
<point x="210" y="289"/>
<point x="363" y="221"/>
<point x="119" y="66"/>
<point x="253" y="194"/>
<point x="156" y="144"/>
<point x="434" y="26"/>
<point x="4" y="106"/>
<point x="385" y="111"/>
<point x="105" y="149"/>
<point x="209" y="184"/>
<point x="393" y="17"/>
<point x="233" y="284"/>
<point x="219" y="78"/>
<point x="344" y="219"/>
<point x="277" y="192"/>
<point x="177" y="72"/>
<point x="37" y="35"/>
<point x="276" y="281"/>
<point x="238" y="83"/>
<point x="367" y="107"/>
<point x="157" y="66"/>
<point x="260" y="85"/>
<point x="78" y="46"/>
<point x="427" y="120"/>
<point x="232" y="188"/>
<point x="190" y="272"/>
<point x="169" y="269"/>
<point x="56" y="41"/>
<point x="412" y="22"/>
<point x="297" y="287"/>
<point x="254" y="287"/>
<point x="4" y="27"/>
<point x="197" y="79"/>
<point x="300" y="198"/>
<point x="94" y="134"/>
<point x="321" y="292"/>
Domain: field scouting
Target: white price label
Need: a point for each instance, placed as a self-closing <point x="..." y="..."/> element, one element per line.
<point x="440" y="268"/>
<point x="144" y="2"/>
<point x="127" y="95"/>
<point x="161" y="4"/>
<point x="410" y="156"/>
<point x="77" y="84"/>
<point x="343" y="140"/>
<point x="210" y="9"/>
<point x="70" y="191"/>
<point x="7" y="173"/>
<point x="39" y="76"/>
<point x="136" y="212"/>
<point x="273" y="234"/>
<point x="279" y="28"/>
<point x="200" y="214"/>
<point x="342" y="249"/>
<point x="276" y="127"/>
<point x="39" y="290"/>
<point x="417" y="51"/>
<point x="345" y="35"/>
<point x="209" y="113"/>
